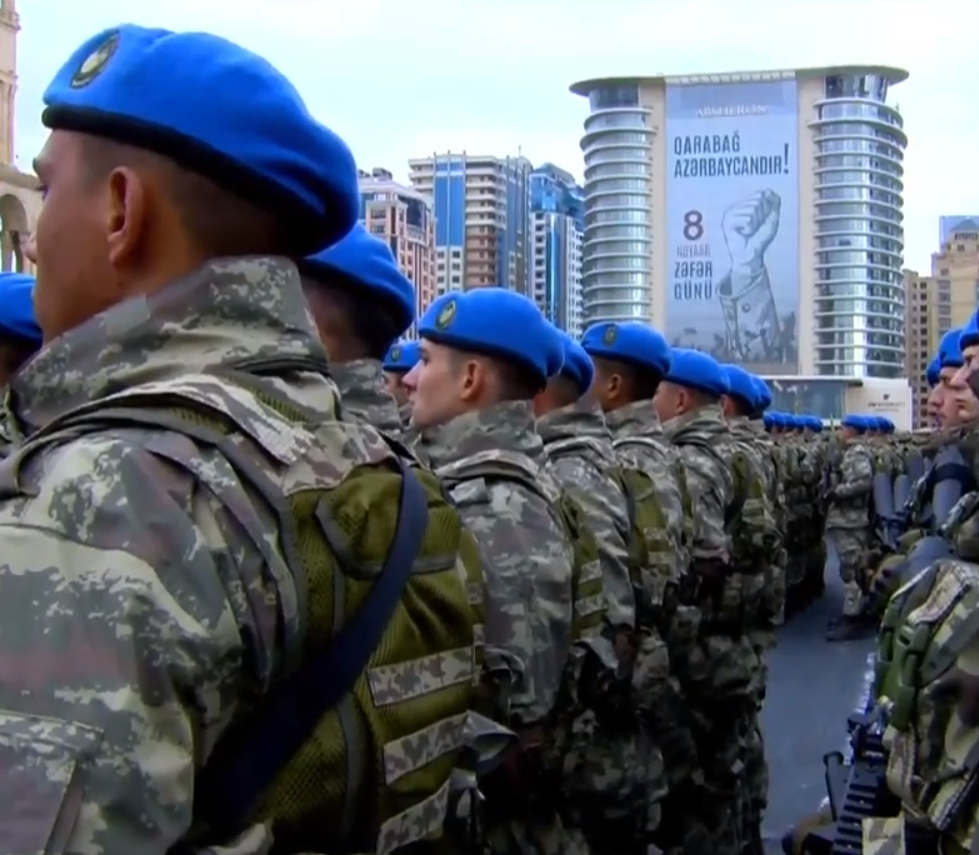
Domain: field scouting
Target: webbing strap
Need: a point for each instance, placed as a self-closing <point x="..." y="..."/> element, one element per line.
<point x="233" y="779"/>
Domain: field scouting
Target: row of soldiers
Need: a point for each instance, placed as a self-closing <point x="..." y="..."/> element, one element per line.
<point x="912" y="785"/>
<point x="247" y="608"/>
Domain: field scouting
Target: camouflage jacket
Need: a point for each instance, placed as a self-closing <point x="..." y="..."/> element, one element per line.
<point x="528" y="558"/>
<point x="641" y="443"/>
<point x="710" y="483"/>
<point x="156" y="614"/>
<point x="580" y="457"/>
<point x="849" y="505"/>
<point x="363" y="397"/>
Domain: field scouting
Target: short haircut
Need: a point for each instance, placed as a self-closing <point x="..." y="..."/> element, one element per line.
<point x="216" y="221"/>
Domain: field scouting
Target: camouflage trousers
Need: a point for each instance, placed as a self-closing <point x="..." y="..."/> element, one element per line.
<point x="539" y="835"/>
<point x="711" y="814"/>
<point x="851" y="547"/>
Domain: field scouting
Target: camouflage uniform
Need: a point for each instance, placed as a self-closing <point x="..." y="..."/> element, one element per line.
<point x="165" y="601"/>
<point x="581" y="459"/>
<point x="529" y="606"/>
<point x="723" y="674"/>
<point x="848" y="522"/>
<point x="640" y="444"/>
<point x="363" y="397"/>
<point x="767" y="618"/>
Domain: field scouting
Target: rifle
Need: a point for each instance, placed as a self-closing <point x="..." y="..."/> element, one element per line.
<point x="857" y="789"/>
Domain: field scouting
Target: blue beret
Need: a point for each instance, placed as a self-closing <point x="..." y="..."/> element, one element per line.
<point x="216" y="109"/>
<point x="369" y="262"/>
<point x="741" y="384"/>
<point x="789" y="421"/>
<point x="763" y="395"/>
<point x="495" y="322"/>
<point x="776" y="419"/>
<point x="950" y="350"/>
<point x="768" y="419"/>
<point x="817" y="424"/>
<point x="855" y="421"/>
<point x="402" y="356"/>
<point x="968" y="335"/>
<point x="578" y="366"/>
<point x="932" y="375"/>
<point x="696" y="370"/>
<point x="630" y="341"/>
<point x="17" y="306"/>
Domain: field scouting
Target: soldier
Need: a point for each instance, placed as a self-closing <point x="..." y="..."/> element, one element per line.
<point x="361" y="303"/>
<point x="621" y="782"/>
<point x="20" y="336"/>
<point x="630" y="360"/>
<point x="764" y="600"/>
<point x="485" y="355"/>
<point x="848" y="527"/>
<point x="398" y="361"/>
<point x="723" y="674"/>
<point x="197" y="534"/>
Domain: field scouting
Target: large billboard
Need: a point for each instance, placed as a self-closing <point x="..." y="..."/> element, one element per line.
<point x="732" y="219"/>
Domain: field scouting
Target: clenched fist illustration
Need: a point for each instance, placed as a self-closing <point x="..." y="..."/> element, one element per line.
<point x="750" y="226"/>
<point x="745" y="291"/>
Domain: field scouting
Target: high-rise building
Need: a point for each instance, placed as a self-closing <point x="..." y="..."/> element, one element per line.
<point x="557" y="223"/>
<point x="756" y="215"/>
<point x="404" y="218"/>
<point x="943" y="300"/>
<point x="482" y="212"/>
<point x="950" y="223"/>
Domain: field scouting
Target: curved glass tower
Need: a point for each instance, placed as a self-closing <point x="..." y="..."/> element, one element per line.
<point x="859" y="294"/>
<point x="616" y="278"/>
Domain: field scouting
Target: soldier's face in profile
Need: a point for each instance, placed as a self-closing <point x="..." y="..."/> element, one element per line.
<point x="933" y="404"/>
<point x="970" y="364"/>
<point x="958" y="404"/>
<point x="435" y="390"/>
<point x="74" y="278"/>
<point x="669" y="400"/>
<point x="393" y="383"/>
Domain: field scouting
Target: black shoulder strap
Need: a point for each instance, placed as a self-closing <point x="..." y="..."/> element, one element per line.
<point x="240" y="771"/>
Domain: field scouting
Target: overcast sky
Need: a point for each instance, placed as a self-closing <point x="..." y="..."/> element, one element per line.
<point x="404" y="78"/>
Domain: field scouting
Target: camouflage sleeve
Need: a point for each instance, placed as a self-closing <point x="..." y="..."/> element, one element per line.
<point x="528" y="573"/>
<point x="126" y="623"/>
<point x="858" y="474"/>
<point x="710" y="487"/>
<point x="604" y="507"/>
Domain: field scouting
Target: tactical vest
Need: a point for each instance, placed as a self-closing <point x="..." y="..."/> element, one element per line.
<point x="342" y="754"/>
<point x="652" y="552"/>
<point x="579" y="688"/>
<point x="926" y="685"/>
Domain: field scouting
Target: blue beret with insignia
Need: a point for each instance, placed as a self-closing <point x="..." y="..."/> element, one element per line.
<point x="578" y="366"/>
<point x="17" y="306"/>
<point x="216" y="109"/>
<point x="741" y="384"/>
<point x="763" y="395"/>
<point x="695" y="370"/>
<point x="969" y="334"/>
<point x="950" y="349"/>
<point x="401" y="357"/>
<point x="495" y="322"/>
<point x="857" y="422"/>
<point x="367" y="261"/>
<point x="631" y="342"/>
<point x="934" y="372"/>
